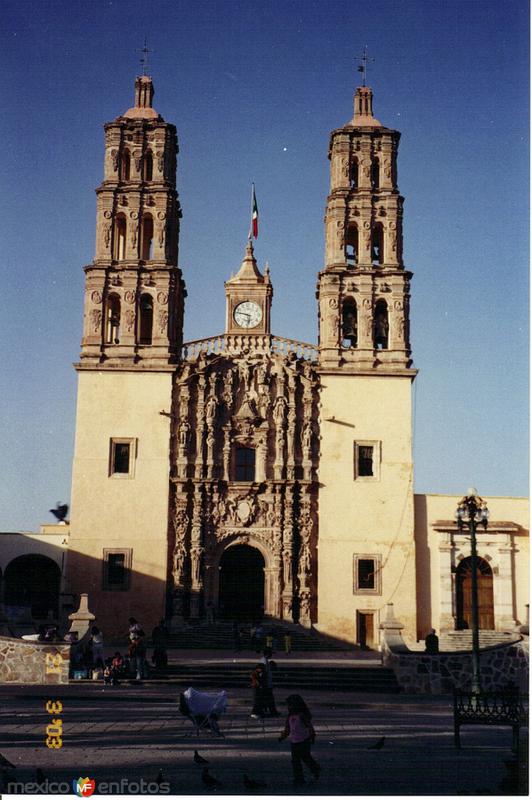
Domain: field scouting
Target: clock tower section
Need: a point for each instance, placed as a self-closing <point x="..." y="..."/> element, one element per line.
<point x="248" y="301"/>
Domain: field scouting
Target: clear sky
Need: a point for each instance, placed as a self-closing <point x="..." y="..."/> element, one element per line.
<point x="254" y="90"/>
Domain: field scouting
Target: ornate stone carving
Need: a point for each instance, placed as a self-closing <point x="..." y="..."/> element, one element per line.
<point x="129" y="319"/>
<point x="162" y="298"/>
<point x="162" y="321"/>
<point x="129" y="297"/>
<point x="96" y="320"/>
<point x="96" y="297"/>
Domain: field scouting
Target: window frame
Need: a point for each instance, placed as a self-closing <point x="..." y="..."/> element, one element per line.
<point x="377" y="559"/>
<point x="132" y="442"/>
<point x="125" y="586"/>
<point x="238" y="447"/>
<point x="376" y="460"/>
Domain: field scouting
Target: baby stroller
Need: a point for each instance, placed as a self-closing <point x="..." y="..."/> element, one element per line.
<point x="203" y="709"/>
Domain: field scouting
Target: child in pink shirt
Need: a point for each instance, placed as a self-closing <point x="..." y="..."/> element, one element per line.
<point x="299" y="730"/>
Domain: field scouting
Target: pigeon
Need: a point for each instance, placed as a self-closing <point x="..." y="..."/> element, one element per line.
<point x="378" y="745"/>
<point x="209" y="780"/>
<point x="5" y="764"/>
<point x="40" y="777"/>
<point x="199" y="759"/>
<point x="253" y="786"/>
<point x="60" y="511"/>
<point x="160" y="778"/>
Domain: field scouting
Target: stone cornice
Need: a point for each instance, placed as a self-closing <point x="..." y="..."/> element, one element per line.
<point x="449" y="526"/>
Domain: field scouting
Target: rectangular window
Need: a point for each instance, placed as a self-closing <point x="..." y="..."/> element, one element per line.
<point x="367" y="574"/>
<point x="117" y="569"/>
<point x="245" y="464"/>
<point x="122" y="455"/>
<point x="367" y="461"/>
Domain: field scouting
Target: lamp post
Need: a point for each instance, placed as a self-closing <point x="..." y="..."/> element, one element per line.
<point x="473" y="511"/>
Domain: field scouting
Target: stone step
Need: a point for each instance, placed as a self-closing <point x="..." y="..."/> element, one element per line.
<point x="351" y="679"/>
<point x="219" y="636"/>
<point x="462" y="640"/>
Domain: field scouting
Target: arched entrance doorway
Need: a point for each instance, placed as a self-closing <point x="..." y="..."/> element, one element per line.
<point x="464" y="575"/>
<point x="241" y="588"/>
<point x="33" y="581"/>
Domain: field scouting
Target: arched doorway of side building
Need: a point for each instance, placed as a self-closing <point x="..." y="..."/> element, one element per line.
<point x="464" y="576"/>
<point x="241" y="583"/>
<point x="33" y="581"/>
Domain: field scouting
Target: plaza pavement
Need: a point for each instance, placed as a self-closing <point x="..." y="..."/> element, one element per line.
<point x="132" y="731"/>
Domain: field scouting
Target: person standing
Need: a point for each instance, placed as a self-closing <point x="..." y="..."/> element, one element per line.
<point x="97" y="647"/>
<point x="269" y="666"/>
<point x="432" y="643"/>
<point x="258" y="684"/>
<point x="159" y="637"/>
<point x="236" y="637"/>
<point x="300" y="731"/>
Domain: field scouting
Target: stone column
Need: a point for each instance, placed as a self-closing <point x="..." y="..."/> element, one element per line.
<point x="447" y="611"/>
<point x="502" y="591"/>
<point x="196" y="552"/>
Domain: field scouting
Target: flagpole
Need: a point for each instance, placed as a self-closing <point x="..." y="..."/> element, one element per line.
<point x="250" y="235"/>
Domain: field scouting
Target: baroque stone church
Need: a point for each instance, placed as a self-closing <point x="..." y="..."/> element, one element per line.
<point x="251" y="472"/>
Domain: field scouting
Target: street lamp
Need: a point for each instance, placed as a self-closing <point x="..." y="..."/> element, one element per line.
<point x="473" y="511"/>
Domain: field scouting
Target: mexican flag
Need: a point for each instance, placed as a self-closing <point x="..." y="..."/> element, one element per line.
<point x="254" y="214"/>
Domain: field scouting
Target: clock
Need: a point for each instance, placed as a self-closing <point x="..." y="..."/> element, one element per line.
<point x="247" y="314"/>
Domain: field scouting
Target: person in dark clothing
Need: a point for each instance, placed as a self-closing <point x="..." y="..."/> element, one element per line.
<point x="432" y="643"/>
<point x="159" y="637"/>
<point x="236" y="637"/>
<point x="258" y="684"/>
<point x="269" y="666"/>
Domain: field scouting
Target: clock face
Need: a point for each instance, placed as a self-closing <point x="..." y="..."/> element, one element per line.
<point x="247" y="314"/>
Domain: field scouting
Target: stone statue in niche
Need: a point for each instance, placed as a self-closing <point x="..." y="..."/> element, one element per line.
<point x="184" y="429"/>
<point x="279" y="410"/>
<point x="210" y="410"/>
<point x="196" y="565"/>
<point x="178" y="563"/>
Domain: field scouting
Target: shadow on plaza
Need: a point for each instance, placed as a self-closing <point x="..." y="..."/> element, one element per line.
<point x="33" y="581"/>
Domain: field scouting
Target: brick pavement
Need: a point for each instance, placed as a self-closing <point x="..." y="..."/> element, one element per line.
<point x="132" y="732"/>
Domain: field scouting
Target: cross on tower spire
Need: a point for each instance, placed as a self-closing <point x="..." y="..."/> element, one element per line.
<point x="145" y="55"/>
<point x="363" y="67"/>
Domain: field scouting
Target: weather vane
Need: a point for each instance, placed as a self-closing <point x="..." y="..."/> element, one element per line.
<point x="144" y="57"/>
<point x="363" y="68"/>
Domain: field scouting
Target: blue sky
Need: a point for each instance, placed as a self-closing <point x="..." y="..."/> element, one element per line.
<point x="254" y="90"/>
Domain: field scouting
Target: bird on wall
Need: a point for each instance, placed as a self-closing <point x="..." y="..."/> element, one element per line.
<point x="253" y="786"/>
<point x="60" y="511"/>
<point x="199" y="759"/>
<point x="379" y="744"/>
<point x="5" y="764"/>
<point x="209" y="780"/>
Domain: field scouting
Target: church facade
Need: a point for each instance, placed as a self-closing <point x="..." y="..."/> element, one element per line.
<point x="251" y="472"/>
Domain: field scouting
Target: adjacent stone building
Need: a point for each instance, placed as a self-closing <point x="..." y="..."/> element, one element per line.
<point x="250" y="471"/>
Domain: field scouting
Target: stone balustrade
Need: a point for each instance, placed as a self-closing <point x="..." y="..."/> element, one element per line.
<point x="423" y="673"/>
<point x="226" y="344"/>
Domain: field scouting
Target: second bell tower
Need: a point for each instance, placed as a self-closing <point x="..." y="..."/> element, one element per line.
<point x="134" y="292"/>
<point x="363" y="291"/>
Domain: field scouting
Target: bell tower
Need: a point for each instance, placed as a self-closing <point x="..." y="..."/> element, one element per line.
<point x="132" y="336"/>
<point x="363" y="291"/>
<point x="366" y="469"/>
<point x="134" y="292"/>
